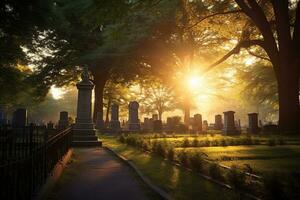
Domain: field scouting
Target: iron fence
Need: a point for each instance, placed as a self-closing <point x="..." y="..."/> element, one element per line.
<point x="27" y="157"/>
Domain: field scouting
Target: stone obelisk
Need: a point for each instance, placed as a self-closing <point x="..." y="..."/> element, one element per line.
<point x="84" y="129"/>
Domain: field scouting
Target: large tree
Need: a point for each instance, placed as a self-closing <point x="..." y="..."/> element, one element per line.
<point x="274" y="26"/>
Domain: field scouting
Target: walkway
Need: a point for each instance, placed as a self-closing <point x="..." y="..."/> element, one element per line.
<point x="96" y="174"/>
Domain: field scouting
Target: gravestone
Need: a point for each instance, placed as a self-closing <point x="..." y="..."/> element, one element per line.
<point x="133" y="122"/>
<point x="253" y="123"/>
<point x="83" y="130"/>
<point x="157" y="126"/>
<point x="218" y="122"/>
<point x="19" y="119"/>
<point x="99" y="121"/>
<point x="114" y="123"/>
<point x="63" y="120"/>
<point x="197" y="123"/>
<point x="170" y="124"/>
<point x="229" y="124"/>
<point x="205" y="125"/>
<point x="154" y="117"/>
<point x="147" y="126"/>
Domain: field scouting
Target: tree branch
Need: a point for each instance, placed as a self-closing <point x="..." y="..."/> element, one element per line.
<point x="212" y="15"/>
<point x="258" y="56"/>
<point x="236" y="50"/>
<point x="256" y="14"/>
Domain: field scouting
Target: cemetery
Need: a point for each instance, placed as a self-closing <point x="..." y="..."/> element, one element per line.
<point x="150" y="100"/>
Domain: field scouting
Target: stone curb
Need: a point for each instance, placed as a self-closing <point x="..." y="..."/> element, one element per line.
<point x="152" y="186"/>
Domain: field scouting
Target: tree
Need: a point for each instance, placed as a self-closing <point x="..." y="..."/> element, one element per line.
<point x="275" y="27"/>
<point x="156" y="96"/>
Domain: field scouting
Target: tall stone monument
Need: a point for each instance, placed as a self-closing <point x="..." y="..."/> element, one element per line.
<point x="218" y="122"/>
<point x="133" y="122"/>
<point x="63" y="120"/>
<point x="83" y="130"/>
<point x="114" y="123"/>
<point x="253" y="123"/>
<point x="229" y="124"/>
<point x="197" y="123"/>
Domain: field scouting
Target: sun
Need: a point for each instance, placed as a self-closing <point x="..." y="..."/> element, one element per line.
<point x="194" y="82"/>
<point x="57" y="93"/>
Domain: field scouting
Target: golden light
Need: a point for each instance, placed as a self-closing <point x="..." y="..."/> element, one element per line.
<point x="194" y="81"/>
<point x="57" y="93"/>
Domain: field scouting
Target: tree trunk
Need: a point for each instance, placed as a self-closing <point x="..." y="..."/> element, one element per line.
<point x="100" y="79"/>
<point x="107" y="113"/>
<point x="288" y="94"/>
<point x="159" y="115"/>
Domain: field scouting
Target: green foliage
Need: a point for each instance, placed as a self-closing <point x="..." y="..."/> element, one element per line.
<point x="236" y="178"/>
<point x="171" y="154"/>
<point x="215" y="171"/>
<point x="196" y="161"/>
<point x="183" y="158"/>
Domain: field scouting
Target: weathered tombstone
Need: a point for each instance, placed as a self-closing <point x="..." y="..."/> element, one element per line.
<point x="229" y="124"/>
<point x="197" y="123"/>
<point x="99" y="121"/>
<point x="114" y="123"/>
<point x="157" y="126"/>
<point x="170" y="124"/>
<point x="154" y="117"/>
<point x="205" y="125"/>
<point x="253" y="123"/>
<point x="83" y="130"/>
<point x="218" y="122"/>
<point x="19" y="119"/>
<point x="147" y="125"/>
<point x="133" y="122"/>
<point x="63" y="120"/>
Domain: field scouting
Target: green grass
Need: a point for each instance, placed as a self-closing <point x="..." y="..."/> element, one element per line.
<point x="179" y="183"/>
<point x="262" y="158"/>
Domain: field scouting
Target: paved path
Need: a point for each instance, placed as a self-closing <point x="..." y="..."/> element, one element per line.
<point x="97" y="174"/>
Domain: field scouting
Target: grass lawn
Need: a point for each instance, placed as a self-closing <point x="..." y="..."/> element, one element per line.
<point x="261" y="158"/>
<point x="179" y="183"/>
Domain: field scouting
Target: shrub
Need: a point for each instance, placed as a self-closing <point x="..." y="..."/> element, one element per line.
<point x="186" y="142"/>
<point x="271" y="142"/>
<point x="214" y="143"/>
<point x="146" y="146"/>
<point x="207" y="143"/>
<point x="281" y="141"/>
<point x="236" y="178"/>
<point x="122" y="139"/>
<point x="195" y="142"/>
<point x="183" y="158"/>
<point x="215" y="171"/>
<point x="161" y="149"/>
<point x="223" y="142"/>
<point x="171" y="154"/>
<point x="196" y="161"/>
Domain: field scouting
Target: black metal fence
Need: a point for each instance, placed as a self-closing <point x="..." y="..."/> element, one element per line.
<point x="27" y="157"/>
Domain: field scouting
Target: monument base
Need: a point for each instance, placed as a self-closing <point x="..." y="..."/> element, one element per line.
<point x="115" y="126"/>
<point x="134" y="126"/>
<point x="253" y="130"/>
<point x="85" y="137"/>
<point x="232" y="131"/>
